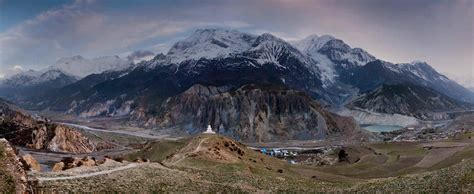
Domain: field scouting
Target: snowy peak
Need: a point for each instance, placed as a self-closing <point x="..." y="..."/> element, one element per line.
<point x="210" y="43"/>
<point x="341" y="53"/>
<point x="422" y="70"/>
<point x="312" y="43"/>
<point x="81" y="67"/>
<point x="327" y="49"/>
<point x="31" y="78"/>
<point x="270" y="49"/>
<point x="266" y="37"/>
<point x="270" y="42"/>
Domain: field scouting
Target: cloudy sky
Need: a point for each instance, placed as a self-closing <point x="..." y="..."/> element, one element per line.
<point x="34" y="34"/>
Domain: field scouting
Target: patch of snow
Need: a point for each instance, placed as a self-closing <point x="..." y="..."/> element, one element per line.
<point x="327" y="68"/>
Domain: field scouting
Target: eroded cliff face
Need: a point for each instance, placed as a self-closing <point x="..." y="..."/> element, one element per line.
<point x="60" y="138"/>
<point x="253" y="114"/>
<point x="22" y="130"/>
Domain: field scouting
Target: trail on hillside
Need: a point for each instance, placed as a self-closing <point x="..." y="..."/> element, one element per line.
<point x="121" y="132"/>
<point x="198" y="147"/>
<point x="129" y="166"/>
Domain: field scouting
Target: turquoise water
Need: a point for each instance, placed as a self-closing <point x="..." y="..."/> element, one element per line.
<point x="381" y="128"/>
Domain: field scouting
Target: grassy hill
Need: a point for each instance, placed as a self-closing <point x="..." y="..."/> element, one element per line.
<point x="213" y="163"/>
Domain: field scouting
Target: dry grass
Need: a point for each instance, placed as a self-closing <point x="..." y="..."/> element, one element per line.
<point x="211" y="163"/>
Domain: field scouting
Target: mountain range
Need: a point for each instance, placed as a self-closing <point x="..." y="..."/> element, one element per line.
<point x="326" y="69"/>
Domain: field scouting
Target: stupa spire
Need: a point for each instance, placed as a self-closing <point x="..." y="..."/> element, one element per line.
<point x="209" y="130"/>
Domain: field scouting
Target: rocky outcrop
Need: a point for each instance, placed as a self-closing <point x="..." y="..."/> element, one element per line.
<point x="12" y="173"/>
<point x="58" y="167"/>
<point x="254" y="114"/>
<point x="23" y="130"/>
<point x="73" y="162"/>
<point x="31" y="162"/>
<point x="57" y="138"/>
<point x="69" y="140"/>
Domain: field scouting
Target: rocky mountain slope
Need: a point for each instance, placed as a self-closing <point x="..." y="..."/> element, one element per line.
<point x="376" y="73"/>
<point x="252" y="114"/>
<point x="416" y="101"/>
<point x="23" y="130"/>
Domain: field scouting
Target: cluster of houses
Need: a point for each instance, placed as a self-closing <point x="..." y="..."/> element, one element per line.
<point x="279" y="153"/>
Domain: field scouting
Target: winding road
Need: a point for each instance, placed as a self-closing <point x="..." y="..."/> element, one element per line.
<point x="136" y="134"/>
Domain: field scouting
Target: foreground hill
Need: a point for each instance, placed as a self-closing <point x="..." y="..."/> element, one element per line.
<point x="12" y="175"/>
<point x="412" y="100"/>
<point x="208" y="163"/>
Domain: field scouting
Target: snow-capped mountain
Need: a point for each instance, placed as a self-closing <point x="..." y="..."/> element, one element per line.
<point x="312" y="43"/>
<point x="375" y="73"/>
<point x="26" y="86"/>
<point x="32" y="78"/>
<point x="334" y="49"/>
<point x="334" y="57"/>
<point x="270" y="49"/>
<point x="81" y="67"/>
<point x="210" y="43"/>
<point x="326" y="68"/>
<point x="246" y="59"/>
<point x="68" y="68"/>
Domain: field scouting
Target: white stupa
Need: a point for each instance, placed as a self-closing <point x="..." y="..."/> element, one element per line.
<point x="209" y="130"/>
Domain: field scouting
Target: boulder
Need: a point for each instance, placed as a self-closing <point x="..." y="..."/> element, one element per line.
<point x="70" y="162"/>
<point x="58" y="167"/>
<point x="31" y="162"/>
<point x="109" y="162"/>
<point x="87" y="161"/>
<point x="39" y="138"/>
<point x="141" y="160"/>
